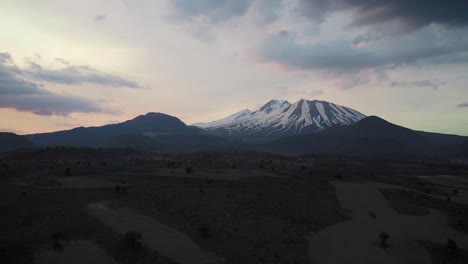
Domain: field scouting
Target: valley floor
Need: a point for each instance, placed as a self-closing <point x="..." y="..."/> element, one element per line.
<point x="231" y="208"/>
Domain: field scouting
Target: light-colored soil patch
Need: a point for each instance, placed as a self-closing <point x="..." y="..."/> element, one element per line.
<point x="357" y="240"/>
<point x="157" y="236"/>
<point x="449" y="183"/>
<point x="76" y="252"/>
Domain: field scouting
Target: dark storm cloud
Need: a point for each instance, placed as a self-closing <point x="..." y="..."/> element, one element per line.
<point x="78" y="75"/>
<point x="100" y="18"/>
<point x="70" y="75"/>
<point x="412" y="14"/>
<point x="435" y="85"/>
<point x="344" y="57"/>
<point x="214" y="10"/>
<point x="220" y="10"/>
<point x="462" y="105"/>
<point x="16" y="92"/>
<point x="366" y="38"/>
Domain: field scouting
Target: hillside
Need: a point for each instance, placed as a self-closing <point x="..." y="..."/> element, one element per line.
<point x="151" y="123"/>
<point x="370" y="137"/>
<point x="11" y="141"/>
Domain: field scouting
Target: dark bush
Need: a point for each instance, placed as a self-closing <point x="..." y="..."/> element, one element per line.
<point x="205" y="231"/>
<point x="452" y="245"/>
<point x="188" y="170"/>
<point x="383" y="239"/>
<point x="56" y="237"/>
<point x="132" y="238"/>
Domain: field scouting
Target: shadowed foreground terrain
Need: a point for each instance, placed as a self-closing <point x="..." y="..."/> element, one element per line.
<point x="124" y="206"/>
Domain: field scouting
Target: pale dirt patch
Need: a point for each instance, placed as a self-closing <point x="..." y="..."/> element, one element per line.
<point x="448" y="183"/>
<point x="156" y="235"/>
<point x="357" y="241"/>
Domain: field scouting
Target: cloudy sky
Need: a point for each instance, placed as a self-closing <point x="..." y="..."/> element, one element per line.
<point x="68" y="63"/>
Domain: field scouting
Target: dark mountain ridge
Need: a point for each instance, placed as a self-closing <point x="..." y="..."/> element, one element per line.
<point x="371" y="137"/>
<point x="11" y="141"/>
<point x="154" y="123"/>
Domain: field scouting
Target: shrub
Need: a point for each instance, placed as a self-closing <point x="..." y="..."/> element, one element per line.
<point x="132" y="238"/>
<point x="205" y="231"/>
<point x="68" y="172"/>
<point x="452" y="245"/>
<point x="383" y="239"/>
<point x="188" y="170"/>
<point x="56" y="237"/>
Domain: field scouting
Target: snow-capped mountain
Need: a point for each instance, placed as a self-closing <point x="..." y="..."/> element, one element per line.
<point x="279" y="117"/>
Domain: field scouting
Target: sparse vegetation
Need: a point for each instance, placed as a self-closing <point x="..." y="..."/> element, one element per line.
<point x="205" y="231"/>
<point x="56" y="237"/>
<point x="132" y="238"/>
<point x="223" y="210"/>
<point x="384" y="240"/>
<point x="452" y="246"/>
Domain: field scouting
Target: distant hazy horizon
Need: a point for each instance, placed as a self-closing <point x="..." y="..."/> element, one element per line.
<point x="65" y="64"/>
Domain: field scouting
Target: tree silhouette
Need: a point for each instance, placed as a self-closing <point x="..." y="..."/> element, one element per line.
<point x="452" y="245"/>
<point x="56" y="237"/>
<point x="205" y="231"/>
<point x="133" y="237"/>
<point x="383" y="239"/>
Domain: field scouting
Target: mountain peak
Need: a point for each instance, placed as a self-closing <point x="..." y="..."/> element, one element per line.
<point x="273" y="105"/>
<point x="155" y="116"/>
<point x="279" y="117"/>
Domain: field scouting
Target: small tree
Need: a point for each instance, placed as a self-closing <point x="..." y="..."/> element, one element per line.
<point x="205" y="231"/>
<point x="132" y="238"/>
<point x="188" y="170"/>
<point x="117" y="188"/>
<point x="67" y="172"/>
<point x="452" y="245"/>
<point x="383" y="239"/>
<point x="56" y="237"/>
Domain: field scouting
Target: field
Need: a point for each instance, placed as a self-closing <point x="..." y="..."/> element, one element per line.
<point x="229" y="207"/>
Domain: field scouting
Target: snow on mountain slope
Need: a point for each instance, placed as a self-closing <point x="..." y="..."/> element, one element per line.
<point x="279" y="117"/>
<point x="225" y="121"/>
